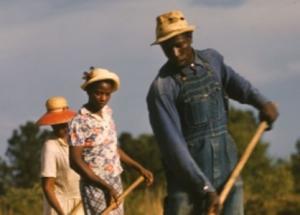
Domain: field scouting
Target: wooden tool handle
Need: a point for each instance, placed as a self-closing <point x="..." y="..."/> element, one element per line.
<point x="76" y="208"/>
<point x="240" y="165"/>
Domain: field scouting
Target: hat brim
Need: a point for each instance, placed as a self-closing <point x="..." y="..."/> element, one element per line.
<point x="53" y="118"/>
<point x="159" y="40"/>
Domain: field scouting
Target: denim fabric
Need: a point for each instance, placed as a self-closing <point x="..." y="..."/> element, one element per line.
<point x="188" y="116"/>
<point x="180" y="202"/>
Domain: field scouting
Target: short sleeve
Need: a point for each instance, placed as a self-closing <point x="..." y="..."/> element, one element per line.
<point x="48" y="159"/>
<point x="77" y="132"/>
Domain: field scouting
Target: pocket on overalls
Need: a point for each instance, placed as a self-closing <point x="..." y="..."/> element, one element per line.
<point x="197" y="107"/>
<point x="203" y="106"/>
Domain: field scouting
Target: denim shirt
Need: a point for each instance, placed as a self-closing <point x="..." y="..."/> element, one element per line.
<point x="166" y="116"/>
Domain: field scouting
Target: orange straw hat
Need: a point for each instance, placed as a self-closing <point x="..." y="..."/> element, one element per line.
<point x="171" y="24"/>
<point x="99" y="74"/>
<point x="58" y="112"/>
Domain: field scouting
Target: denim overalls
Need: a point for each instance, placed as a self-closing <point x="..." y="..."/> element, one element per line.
<point x="203" y="114"/>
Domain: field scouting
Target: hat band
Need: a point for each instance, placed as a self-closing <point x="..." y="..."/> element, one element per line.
<point x="172" y="28"/>
<point x="60" y="109"/>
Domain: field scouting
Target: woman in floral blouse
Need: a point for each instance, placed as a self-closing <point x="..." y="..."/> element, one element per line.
<point x="94" y="152"/>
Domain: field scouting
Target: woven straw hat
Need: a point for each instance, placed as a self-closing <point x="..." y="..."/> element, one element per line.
<point x="58" y="112"/>
<point x="171" y="24"/>
<point x="98" y="74"/>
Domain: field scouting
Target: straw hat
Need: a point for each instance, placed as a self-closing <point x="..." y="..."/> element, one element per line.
<point x="171" y="24"/>
<point x="98" y="74"/>
<point x="57" y="112"/>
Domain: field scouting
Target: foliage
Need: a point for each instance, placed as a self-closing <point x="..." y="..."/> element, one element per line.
<point x="146" y="201"/>
<point x="144" y="150"/>
<point x="5" y="176"/>
<point x="22" y="201"/>
<point x="266" y="181"/>
<point x="269" y="184"/>
<point x="23" y="153"/>
<point x="295" y="160"/>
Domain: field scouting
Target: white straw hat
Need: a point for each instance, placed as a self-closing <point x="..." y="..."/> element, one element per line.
<point x="98" y="74"/>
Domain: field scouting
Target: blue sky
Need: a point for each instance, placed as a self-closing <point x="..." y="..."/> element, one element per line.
<point x="46" y="46"/>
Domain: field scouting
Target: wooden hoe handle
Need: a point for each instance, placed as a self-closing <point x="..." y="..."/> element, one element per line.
<point x="76" y="208"/>
<point x="240" y="165"/>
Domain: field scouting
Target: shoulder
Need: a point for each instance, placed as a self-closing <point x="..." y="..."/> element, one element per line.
<point x="80" y="117"/>
<point x="50" y="146"/>
<point x="164" y="82"/>
<point x="210" y="54"/>
<point x="107" y="110"/>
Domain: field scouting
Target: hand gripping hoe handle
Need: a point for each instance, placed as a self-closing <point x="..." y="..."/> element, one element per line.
<point x="136" y="183"/>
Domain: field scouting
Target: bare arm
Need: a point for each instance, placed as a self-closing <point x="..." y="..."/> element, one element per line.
<point x="78" y="164"/>
<point x="129" y="161"/>
<point x="48" y="185"/>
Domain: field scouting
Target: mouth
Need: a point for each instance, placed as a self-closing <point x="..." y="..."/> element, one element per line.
<point x="179" y="62"/>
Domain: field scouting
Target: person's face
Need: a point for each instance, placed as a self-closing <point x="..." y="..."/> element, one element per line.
<point x="100" y="94"/>
<point x="178" y="50"/>
<point x="60" y="130"/>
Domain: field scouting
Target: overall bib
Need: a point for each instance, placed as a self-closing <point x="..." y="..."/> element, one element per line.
<point x="203" y="114"/>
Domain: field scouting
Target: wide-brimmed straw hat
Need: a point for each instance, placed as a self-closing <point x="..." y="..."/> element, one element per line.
<point x="171" y="24"/>
<point x="99" y="74"/>
<point x="58" y="112"/>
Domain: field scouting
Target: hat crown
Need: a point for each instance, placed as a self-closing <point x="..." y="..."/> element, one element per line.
<point x="94" y="72"/>
<point x="171" y="18"/>
<point x="98" y="74"/>
<point x="171" y="24"/>
<point x="56" y="104"/>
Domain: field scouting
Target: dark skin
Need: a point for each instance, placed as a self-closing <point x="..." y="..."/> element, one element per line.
<point x="178" y="50"/>
<point x="180" y="53"/>
<point x="99" y="94"/>
<point x="48" y="183"/>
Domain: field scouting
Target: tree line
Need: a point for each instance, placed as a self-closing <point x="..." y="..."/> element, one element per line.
<point x="271" y="185"/>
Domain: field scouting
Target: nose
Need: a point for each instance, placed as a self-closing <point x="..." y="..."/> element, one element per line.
<point x="103" y="98"/>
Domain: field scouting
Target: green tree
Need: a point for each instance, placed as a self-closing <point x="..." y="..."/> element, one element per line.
<point x="295" y="159"/>
<point x="261" y="174"/>
<point x="145" y="150"/>
<point x="23" y="153"/>
<point x="5" y="176"/>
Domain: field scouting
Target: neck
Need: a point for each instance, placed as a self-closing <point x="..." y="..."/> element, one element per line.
<point x="93" y="109"/>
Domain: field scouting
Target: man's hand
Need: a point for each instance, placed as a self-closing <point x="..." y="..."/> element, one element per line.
<point x="269" y="113"/>
<point x="213" y="203"/>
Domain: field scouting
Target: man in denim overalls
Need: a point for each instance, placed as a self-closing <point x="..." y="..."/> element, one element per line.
<point x="187" y="110"/>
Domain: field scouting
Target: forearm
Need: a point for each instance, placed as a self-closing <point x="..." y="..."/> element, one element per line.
<point x="239" y="88"/>
<point x="166" y="125"/>
<point x="49" y="192"/>
<point x="79" y="165"/>
<point x="128" y="160"/>
<point x="87" y="174"/>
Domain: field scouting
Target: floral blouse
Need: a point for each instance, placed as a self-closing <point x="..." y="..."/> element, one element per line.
<point x="97" y="134"/>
